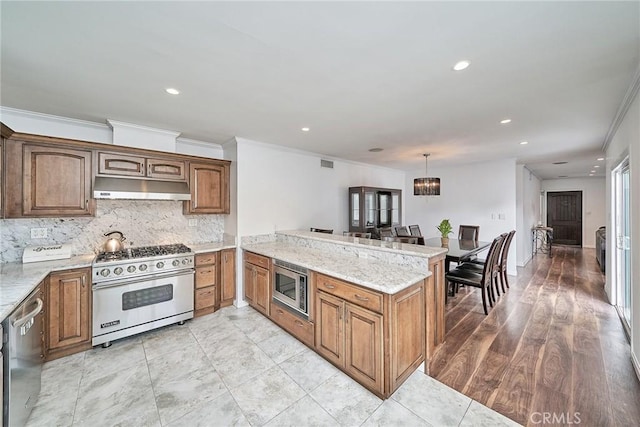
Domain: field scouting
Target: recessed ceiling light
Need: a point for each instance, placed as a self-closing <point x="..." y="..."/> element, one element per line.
<point x="461" y="65"/>
<point x="590" y="174"/>
<point x="172" y="91"/>
<point x="593" y="171"/>
<point x="596" y="166"/>
<point x="600" y="159"/>
<point x="305" y="129"/>
<point x="505" y="121"/>
<point x="560" y="163"/>
<point x="524" y="142"/>
<point x="376" y="150"/>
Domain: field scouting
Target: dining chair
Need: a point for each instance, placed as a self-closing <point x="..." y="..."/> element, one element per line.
<point x="477" y="267"/>
<point x="483" y="280"/>
<point x="502" y="264"/>
<point x="357" y="234"/>
<point x="401" y="239"/>
<point x="468" y="232"/>
<point x="386" y="232"/>
<point x="321" y="230"/>
<point x="414" y="230"/>
<point x="401" y="231"/>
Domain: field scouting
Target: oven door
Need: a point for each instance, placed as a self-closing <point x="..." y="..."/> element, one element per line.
<point x="128" y="307"/>
<point x="290" y="288"/>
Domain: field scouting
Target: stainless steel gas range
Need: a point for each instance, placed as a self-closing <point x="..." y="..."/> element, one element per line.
<point x="139" y="289"/>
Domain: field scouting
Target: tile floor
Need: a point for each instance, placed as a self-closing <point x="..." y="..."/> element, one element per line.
<point x="233" y="367"/>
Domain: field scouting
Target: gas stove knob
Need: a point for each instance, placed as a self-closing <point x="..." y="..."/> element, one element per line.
<point x="104" y="272"/>
<point x="184" y="261"/>
<point x="175" y="263"/>
<point x="142" y="267"/>
<point x="131" y="268"/>
<point x="118" y="270"/>
<point x="160" y="264"/>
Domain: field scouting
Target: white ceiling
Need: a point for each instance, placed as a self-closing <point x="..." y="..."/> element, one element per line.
<point x="359" y="74"/>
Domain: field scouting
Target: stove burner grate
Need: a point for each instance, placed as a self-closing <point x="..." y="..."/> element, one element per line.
<point x="142" y="252"/>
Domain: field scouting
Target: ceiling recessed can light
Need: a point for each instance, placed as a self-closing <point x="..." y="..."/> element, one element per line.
<point x="376" y="150"/>
<point x="590" y="174"/>
<point x="600" y="159"/>
<point x="461" y="65"/>
<point x="505" y="121"/>
<point x="305" y="129"/>
<point x="172" y="91"/>
<point x="593" y="171"/>
<point x="596" y="166"/>
<point x="524" y="142"/>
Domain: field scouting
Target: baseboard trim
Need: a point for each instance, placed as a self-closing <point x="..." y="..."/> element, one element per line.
<point x="636" y="364"/>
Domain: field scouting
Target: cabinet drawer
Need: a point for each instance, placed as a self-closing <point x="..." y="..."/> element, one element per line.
<point x="205" y="297"/>
<point x="166" y="169"/>
<point x="205" y="276"/>
<point x="206" y="259"/>
<point x="365" y="298"/>
<point x="299" y="328"/>
<point x="256" y="259"/>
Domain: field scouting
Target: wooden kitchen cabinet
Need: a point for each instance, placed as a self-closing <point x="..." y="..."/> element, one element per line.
<point x="47" y="180"/>
<point x="351" y="338"/>
<point x="122" y="164"/>
<point x="67" y="313"/>
<point x="257" y="281"/>
<point x="227" y="277"/>
<point x="5" y="133"/>
<point x="209" y="184"/>
<point x="378" y="339"/>
<point x="206" y="283"/>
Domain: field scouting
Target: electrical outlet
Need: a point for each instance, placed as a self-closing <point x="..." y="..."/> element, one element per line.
<point x="501" y="216"/>
<point x="38" y="233"/>
<point x="493" y="216"/>
<point x="193" y="222"/>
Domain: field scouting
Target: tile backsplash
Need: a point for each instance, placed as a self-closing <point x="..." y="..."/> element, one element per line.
<point x="143" y="222"/>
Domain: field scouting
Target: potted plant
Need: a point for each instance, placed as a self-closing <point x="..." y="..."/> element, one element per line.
<point x="445" y="229"/>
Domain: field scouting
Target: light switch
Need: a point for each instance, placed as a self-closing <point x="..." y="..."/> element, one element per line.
<point x="38" y="233"/>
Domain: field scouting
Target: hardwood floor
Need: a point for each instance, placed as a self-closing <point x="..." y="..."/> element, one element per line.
<point x="552" y="351"/>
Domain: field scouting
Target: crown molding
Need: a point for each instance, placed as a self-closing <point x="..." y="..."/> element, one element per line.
<point x="628" y="99"/>
<point x="51" y="118"/>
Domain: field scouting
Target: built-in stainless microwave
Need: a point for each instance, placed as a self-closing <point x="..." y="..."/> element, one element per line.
<point x="290" y="286"/>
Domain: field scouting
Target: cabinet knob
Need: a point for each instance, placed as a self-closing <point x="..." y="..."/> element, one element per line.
<point x="361" y="298"/>
<point x="328" y="286"/>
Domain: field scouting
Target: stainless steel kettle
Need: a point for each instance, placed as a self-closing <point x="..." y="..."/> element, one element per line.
<point x="114" y="244"/>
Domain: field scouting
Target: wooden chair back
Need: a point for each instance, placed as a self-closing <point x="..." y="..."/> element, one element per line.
<point x="401" y="231"/>
<point x="414" y="230"/>
<point x="357" y="234"/>
<point x="468" y="232"/>
<point x="401" y="239"/>
<point x="321" y="230"/>
<point x="386" y="232"/>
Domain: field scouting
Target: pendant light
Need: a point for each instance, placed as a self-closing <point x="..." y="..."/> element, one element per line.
<point x="426" y="186"/>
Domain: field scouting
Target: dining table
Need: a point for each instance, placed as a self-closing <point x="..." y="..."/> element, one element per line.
<point x="459" y="250"/>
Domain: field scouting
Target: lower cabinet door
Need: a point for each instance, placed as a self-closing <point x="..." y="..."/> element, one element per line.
<point x="364" y="352"/>
<point x="68" y="309"/>
<point x="261" y="300"/>
<point x="329" y="328"/>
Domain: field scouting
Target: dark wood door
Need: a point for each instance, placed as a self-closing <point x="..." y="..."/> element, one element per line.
<point x="564" y="215"/>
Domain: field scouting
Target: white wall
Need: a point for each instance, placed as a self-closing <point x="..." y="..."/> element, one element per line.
<point x="593" y="203"/>
<point x="528" y="212"/>
<point x="284" y="189"/>
<point x="473" y="194"/>
<point x="627" y="140"/>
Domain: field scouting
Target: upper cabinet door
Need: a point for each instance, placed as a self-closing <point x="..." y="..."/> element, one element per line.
<point x="166" y="169"/>
<point x="120" y="164"/>
<point x="56" y="181"/>
<point x="209" y="184"/>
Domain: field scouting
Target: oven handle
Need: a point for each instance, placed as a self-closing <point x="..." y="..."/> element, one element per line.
<point x="147" y="278"/>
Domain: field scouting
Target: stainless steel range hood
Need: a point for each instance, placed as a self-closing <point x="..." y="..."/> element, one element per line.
<point x="139" y="189"/>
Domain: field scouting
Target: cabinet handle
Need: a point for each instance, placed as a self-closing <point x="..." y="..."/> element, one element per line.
<point x="299" y="323"/>
<point x="361" y="298"/>
<point x="280" y="311"/>
<point x="328" y="286"/>
<point x="83" y="280"/>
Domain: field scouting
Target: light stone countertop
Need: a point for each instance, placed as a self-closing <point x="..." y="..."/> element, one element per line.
<point x="370" y="273"/>
<point x="383" y="246"/>
<point x="18" y="280"/>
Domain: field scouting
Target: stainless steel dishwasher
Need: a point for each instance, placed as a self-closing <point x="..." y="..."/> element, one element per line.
<point x="23" y="359"/>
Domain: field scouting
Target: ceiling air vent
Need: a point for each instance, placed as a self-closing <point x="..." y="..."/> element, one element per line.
<point x="326" y="164"/>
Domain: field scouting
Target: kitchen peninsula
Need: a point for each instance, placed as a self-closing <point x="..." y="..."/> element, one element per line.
<point x="374" y="309"/>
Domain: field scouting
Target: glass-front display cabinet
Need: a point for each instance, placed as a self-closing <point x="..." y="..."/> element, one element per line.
<point x="371" y="208"/>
